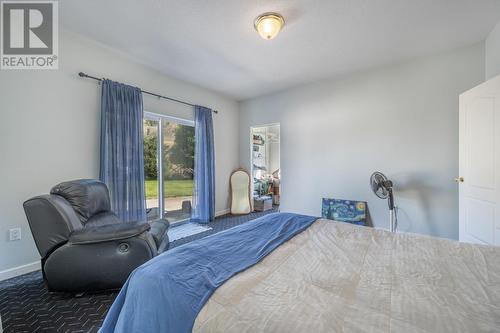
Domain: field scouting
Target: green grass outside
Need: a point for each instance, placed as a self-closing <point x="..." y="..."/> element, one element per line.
<point x="173" y="188"/>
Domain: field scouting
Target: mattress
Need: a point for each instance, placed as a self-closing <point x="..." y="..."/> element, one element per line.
<point x="338" y="277"/>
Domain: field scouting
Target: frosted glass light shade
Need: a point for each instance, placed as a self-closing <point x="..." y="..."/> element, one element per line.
<point x="268" y="25"/>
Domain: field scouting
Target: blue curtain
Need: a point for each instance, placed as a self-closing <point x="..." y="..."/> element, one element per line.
<point x="204" y="166"/>
<point x="122" y="159"/>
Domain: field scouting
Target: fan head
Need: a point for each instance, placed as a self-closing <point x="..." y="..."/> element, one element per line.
<point x="380" y="185"/>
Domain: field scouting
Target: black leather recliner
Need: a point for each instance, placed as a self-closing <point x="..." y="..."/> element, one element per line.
<point x="83" y="245"/>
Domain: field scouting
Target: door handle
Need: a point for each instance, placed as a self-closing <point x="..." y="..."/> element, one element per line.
<point x="459" y="179"/>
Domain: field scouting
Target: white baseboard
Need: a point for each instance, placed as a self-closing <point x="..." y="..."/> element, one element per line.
<point x="19" y="270"/>
<point x="222" y="212"/>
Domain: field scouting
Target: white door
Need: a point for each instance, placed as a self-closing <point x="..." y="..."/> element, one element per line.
<point x="479" y="164"/>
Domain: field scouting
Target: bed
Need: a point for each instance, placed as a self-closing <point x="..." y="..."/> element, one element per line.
<point x="313" y="275"/>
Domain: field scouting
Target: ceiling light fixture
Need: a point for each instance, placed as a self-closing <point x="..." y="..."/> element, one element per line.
<point x="268" y="25"/>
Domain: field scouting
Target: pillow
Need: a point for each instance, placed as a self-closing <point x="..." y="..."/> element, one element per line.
<point x="344" y="210"/>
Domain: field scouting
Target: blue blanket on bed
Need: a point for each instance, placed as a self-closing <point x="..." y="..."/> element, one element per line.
<point x="166" y="293"/>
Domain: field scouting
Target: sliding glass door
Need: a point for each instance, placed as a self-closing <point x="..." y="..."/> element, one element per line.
<point x="169" y="157"/>
<point x="178" y="168"/>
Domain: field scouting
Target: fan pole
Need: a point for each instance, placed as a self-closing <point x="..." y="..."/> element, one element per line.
<point x="392" y="222"/>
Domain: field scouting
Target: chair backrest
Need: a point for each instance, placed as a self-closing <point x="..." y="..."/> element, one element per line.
<point x="87" y="196"/>
<point x="68" y="207"/>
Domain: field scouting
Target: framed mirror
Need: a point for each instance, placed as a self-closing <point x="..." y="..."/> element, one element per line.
<point x="240" y="192"/>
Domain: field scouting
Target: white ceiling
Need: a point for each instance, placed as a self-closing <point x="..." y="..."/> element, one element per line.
<point x="213" y="43"/>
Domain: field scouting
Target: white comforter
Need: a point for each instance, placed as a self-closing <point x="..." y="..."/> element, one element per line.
<point x="337" y="277"/>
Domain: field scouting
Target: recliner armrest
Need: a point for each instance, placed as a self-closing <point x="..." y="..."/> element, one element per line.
<point x="158" y="230"/>
<point x="110" y="232"/>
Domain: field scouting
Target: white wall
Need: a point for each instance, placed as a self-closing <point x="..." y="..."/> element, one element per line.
<point x="49" y="128"/>
<point x="401" y="120"/>
<point x="493" y="52"/>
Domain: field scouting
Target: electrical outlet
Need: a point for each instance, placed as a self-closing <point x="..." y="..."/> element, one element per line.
<point x="15" y="234"/>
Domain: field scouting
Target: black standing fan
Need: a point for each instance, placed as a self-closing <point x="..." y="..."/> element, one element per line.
<point x="382" y="187"/>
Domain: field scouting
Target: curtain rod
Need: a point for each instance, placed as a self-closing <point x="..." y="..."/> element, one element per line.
<point x="82" y="74"/>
